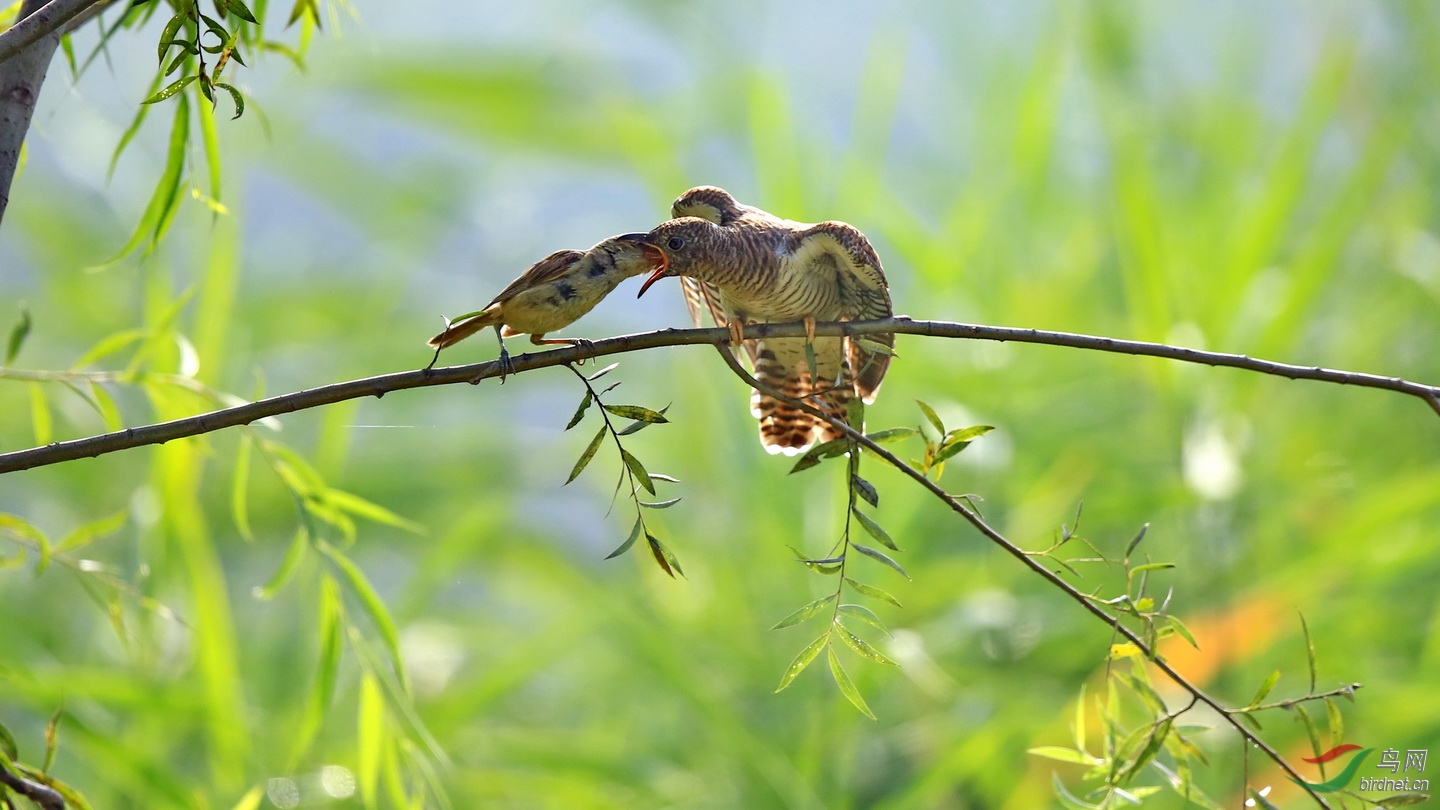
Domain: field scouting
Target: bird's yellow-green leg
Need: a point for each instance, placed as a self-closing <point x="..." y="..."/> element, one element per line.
<point x="809" y="328"/>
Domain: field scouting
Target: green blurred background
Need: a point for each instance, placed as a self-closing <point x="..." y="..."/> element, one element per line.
<point x="1247" y="177"/>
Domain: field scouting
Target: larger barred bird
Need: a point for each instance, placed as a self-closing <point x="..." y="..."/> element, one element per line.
<point x="743" y="265"/>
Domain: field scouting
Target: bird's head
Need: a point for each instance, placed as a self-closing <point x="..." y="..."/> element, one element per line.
<point x="635" y="255"/>
<point x="686" y="243"/>
<point x="707" y="202"/>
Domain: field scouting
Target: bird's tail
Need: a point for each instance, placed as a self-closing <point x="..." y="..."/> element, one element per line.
<point x="465" y="327"/>
<point x="785" y="428"/>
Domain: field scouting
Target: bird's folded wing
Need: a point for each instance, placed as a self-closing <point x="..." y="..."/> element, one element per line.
<point x="544" y="271"/>
<point x="864" y="295"/>
<point x="702" y="297"/>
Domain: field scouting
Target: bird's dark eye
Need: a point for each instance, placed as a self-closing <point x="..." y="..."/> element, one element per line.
<point x="676" y="243"/>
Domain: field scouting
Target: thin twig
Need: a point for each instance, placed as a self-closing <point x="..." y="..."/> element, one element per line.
<point x="1018" y="553"/>
<point x="384" y="384"/>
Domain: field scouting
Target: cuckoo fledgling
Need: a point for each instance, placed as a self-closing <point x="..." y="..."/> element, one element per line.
<point x="744" y="265"/>
<point x="555" y="292"/>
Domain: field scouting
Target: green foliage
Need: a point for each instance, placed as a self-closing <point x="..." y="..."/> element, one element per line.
<point x="1145" y="173"/>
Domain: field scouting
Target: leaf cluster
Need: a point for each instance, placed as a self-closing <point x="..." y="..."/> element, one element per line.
<point x="632" y="471"/>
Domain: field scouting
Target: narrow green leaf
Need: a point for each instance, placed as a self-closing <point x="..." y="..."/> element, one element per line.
<point x="1067" y="799"/>
<point x="369" y="600"/>
<point x="1150" y="567"/>
<point x="1334" y="720"/>
<point x="40" y="415"/>
<point x="18" y="333"/>
<point x="240" y="489"/>
<point x="361" y="508"/>
<point x="890" y="435"/>
<point x="873" y="592"/>
<point x="629" y="541"/>
<point x="957" y="440"/>
<point x="585" y="457"/>
<point x="819" y="453"/>
<point x="210" y="140"/>
<point x="659" y="504"/>
<point x="1265" y="688"/>
<point x="874" y="346"/>
<point x="663" y="556"/>
<point x="370" y="739"/>
<point x="875" y="530"/>
<point x="638" y="470"/>
<point x="879" y="556"/>
<point x="159" y="211"/>
<point x="239" y="10"/>
<point x="7" y="744"/>
<point x="167" y="35"/>
<point x="802" y="661"/>
<point x="1152" y="747"/>
<point x="52" y="741"/>
<point x="864" y="614"/>
<point x="580" y="411"/>
<point x="968" y="434"/>
<point x="90" y="532"/>
<point x="1079" y="730"/>
<point x="1184" y="631"/>
<point x="108" y="345"/>
<point x="171" y="89"/>
<point x="293" y="557"/>
<point x="1135" y="542"/>
<point x="1062" y="754"/>
<point x="847" y="686"/>
<point x="637" y="413"/>
<point x="855" y="413"/>
<point x="667" y="478"/>
<point x="865" y="490"/>
<point x="810" y="364"/>
<point x="933" y="417"/>
<point x="806" y="612"/>
<point x="1141" y="688"/>
<point x="105" y="404"/>
<point x="863" y="648"/>
<point x="1309" y="652"/>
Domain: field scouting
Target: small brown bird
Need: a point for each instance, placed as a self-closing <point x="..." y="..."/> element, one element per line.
<point x="744" y="265"/>
<point x="554" y="293"/>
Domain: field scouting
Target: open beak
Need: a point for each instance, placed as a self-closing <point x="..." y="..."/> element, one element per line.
<point x="654" y="277"/>
<point x="656" y="255"/>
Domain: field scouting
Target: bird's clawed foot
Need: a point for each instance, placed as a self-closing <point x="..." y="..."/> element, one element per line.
<point x="737" y="333"/>
<point x="507" y="367"/>
<point x="582" y="343"/>
<point x="810" y="329"/>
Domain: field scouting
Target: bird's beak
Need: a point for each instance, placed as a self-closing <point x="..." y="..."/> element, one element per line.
<point x="657" y="255"/>
<point x="654" y="277"/>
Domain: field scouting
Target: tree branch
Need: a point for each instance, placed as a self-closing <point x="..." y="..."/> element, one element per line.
<point x="25" y="51"/>
<point x="38" y="20"/>
<point x="384" y="384"/>
<point x="1196" y="693"/>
